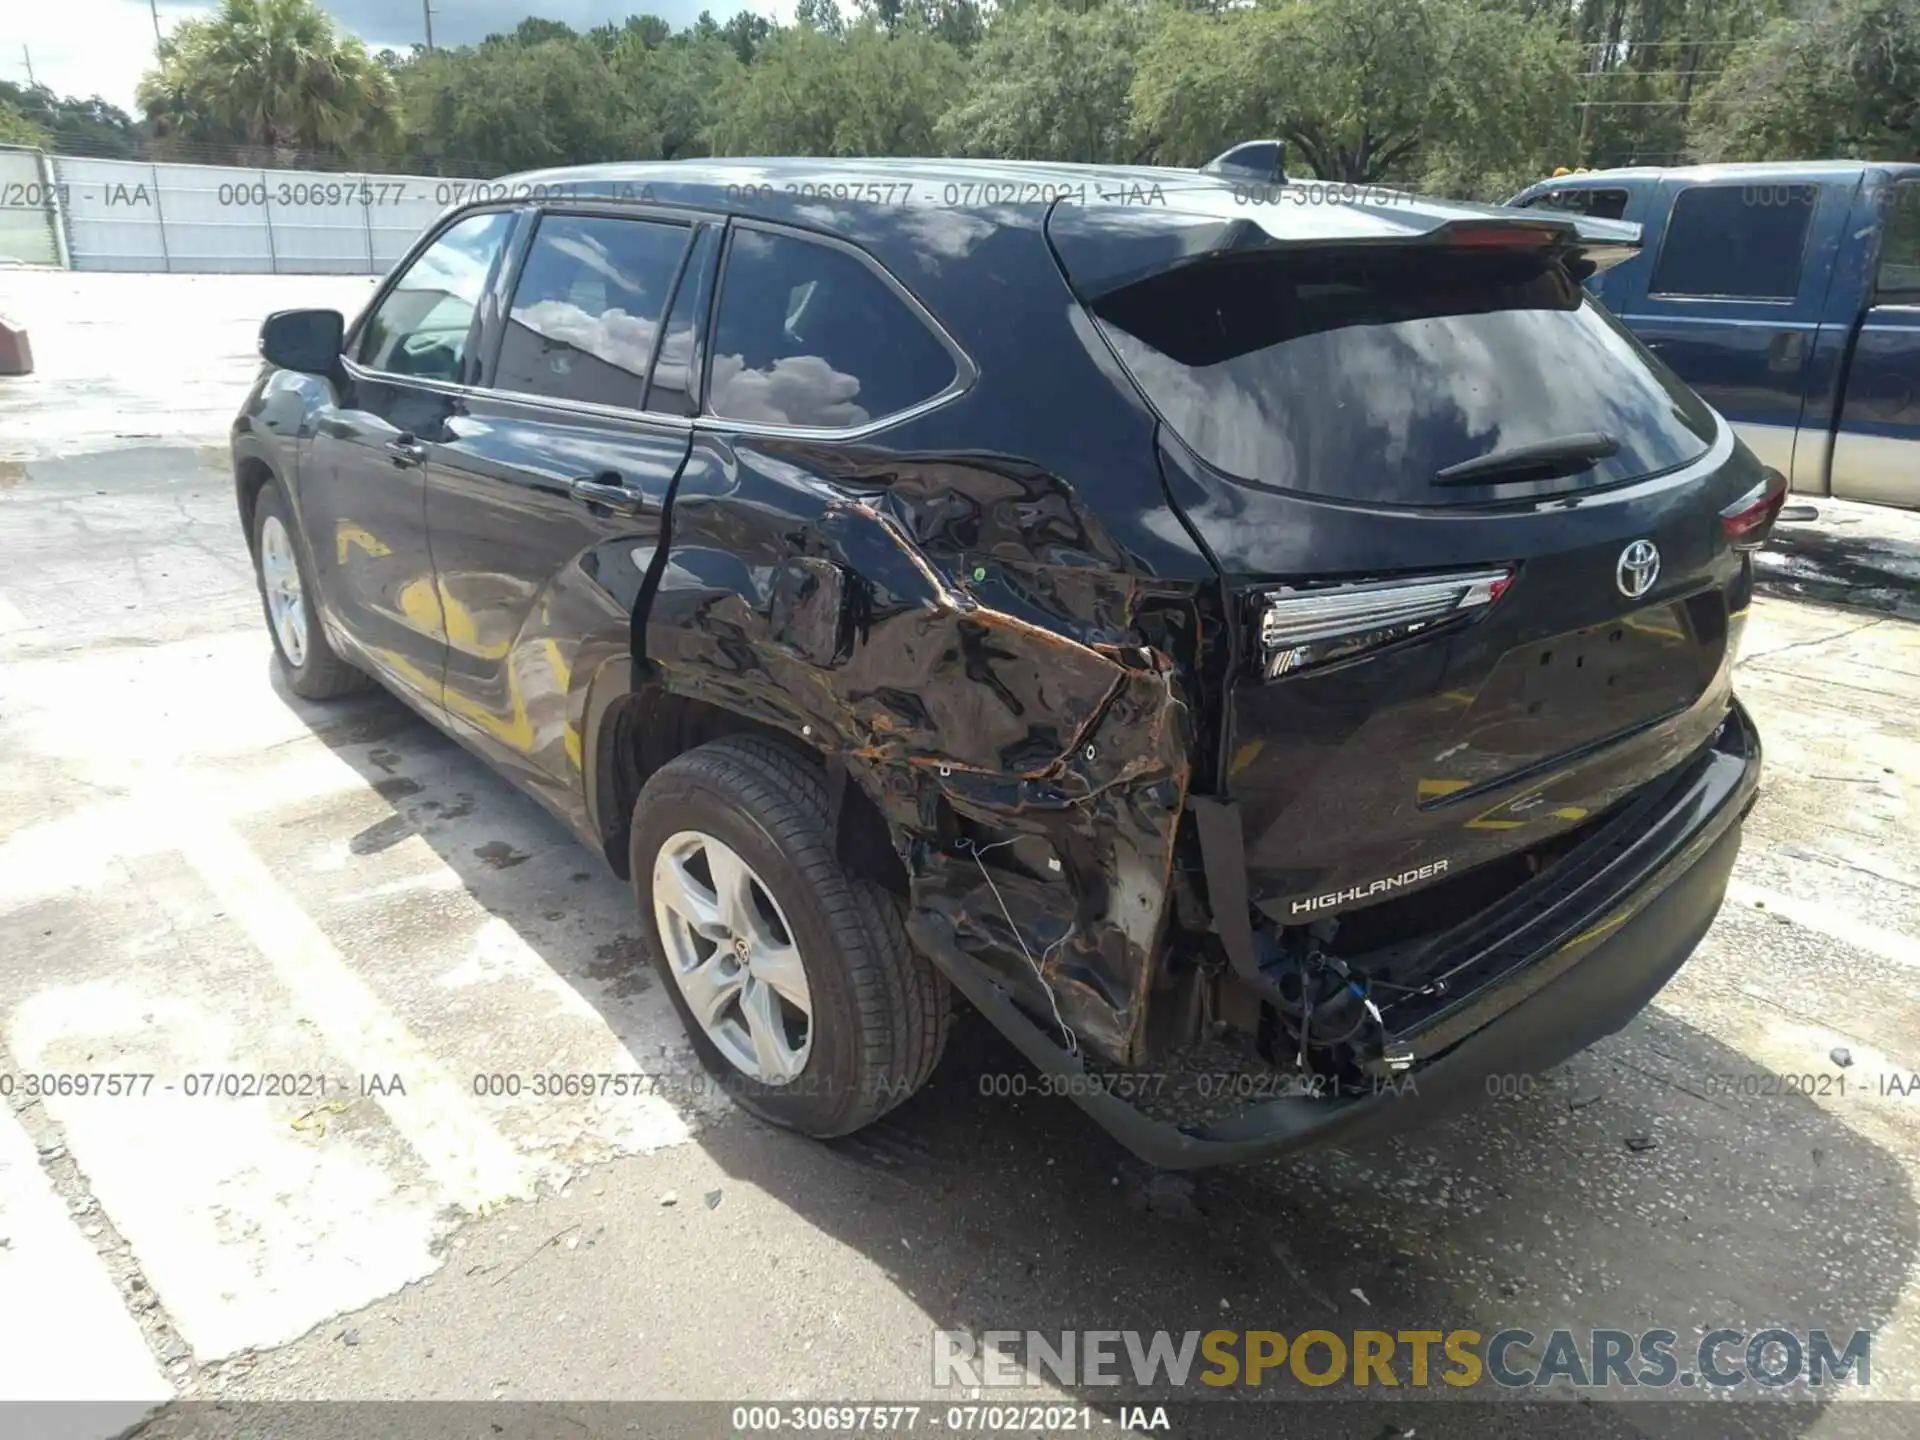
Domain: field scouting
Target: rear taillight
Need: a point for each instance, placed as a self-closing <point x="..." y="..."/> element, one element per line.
<point x="1300" y="628"/>
<point x="1749" y="520"/>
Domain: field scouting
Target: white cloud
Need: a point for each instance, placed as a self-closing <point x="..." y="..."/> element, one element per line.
<point x="102" y="47"/>
<point x="86" y="47"/>
<point x="794" y="390"/>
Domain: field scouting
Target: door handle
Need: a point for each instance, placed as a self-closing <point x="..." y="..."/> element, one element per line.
<point x="605" y="490"/>
<point x="1787" y="350"/>
<point x="405" y="450"/>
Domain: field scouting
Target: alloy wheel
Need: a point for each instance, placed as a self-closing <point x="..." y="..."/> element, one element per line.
<point x="286" y="598"/>
<point x="733" y="955"/>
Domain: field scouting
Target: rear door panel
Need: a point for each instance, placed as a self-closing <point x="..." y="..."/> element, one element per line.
<point x="529" y="575"/>
<point x="1876" y="449"/>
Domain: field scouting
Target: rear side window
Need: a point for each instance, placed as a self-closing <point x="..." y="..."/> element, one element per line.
<point x="1898" y="278"/>
<point x="421" y="325"/>
<point x="1600" y="204"/>
<point x="808" y="335"/>
<point x="1362" y="373"/>
<point x="586" y="309"/>
<point x="1737" y="242"/>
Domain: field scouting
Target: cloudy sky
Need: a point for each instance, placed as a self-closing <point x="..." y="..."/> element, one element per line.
<point x="89" y="47"/>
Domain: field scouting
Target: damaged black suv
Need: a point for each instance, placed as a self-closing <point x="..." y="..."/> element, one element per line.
<point x="1227" y="631"/>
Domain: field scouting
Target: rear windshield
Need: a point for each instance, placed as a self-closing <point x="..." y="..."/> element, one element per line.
<point x="1362" y="373"/>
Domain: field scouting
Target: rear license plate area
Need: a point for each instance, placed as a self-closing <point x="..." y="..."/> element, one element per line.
<point x="1556" y="694"/>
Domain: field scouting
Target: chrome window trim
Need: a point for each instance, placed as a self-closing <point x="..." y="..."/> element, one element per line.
<point x="583" y="408"/>
<point x="389" y="377"/>
<point x="965" y="372"/>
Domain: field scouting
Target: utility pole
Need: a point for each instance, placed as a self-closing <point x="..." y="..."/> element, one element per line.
<point x="154" y="6"/>
<point x="32" y="84"/>
<point x="426" y="14"/>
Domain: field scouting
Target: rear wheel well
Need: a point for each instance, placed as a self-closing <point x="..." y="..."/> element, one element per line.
<point x="250" y="477"/>
<point x="646" y="729"/>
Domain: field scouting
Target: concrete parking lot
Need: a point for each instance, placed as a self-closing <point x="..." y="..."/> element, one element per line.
<point x="200" y="874"/>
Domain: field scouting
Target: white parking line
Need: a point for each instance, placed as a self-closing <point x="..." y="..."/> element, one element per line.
<point x="64" y="1333"/>
<point x="472" y="1162"/>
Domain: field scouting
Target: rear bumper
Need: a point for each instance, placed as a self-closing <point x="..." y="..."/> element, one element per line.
<point x="1598" y="961"/>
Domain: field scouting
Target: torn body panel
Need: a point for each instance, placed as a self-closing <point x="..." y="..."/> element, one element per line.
<point x="976" y="649"/>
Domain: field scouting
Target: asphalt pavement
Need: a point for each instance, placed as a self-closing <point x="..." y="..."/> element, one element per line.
<point x="204" y="877"/>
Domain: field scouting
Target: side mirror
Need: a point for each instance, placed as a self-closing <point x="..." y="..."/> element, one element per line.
<point x="305" y="340"/>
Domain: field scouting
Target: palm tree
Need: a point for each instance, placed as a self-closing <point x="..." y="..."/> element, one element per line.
<point x="269" y="78"/>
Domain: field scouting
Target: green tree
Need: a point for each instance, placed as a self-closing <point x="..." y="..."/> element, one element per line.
<point x="869" y="93"/>
<point x="82" y="127"/>
<point x="269" y="79"/>
<point x="17" y="129"/>
<point x="1644" y="64"/>
<point x="676" y="88"/>
<point x="644" y="31"/>
<point x="745" y="33"/>
<point x="1362" y="90"/>
<point x="821" y="15"/>
<point x="960" y="23"/>
<point x="1051" y="83"/>
<point x="1840" y="81"/>
<point x="510" y="106"/>
<point x="897" y="87"/>
<point x="532" y="31"/>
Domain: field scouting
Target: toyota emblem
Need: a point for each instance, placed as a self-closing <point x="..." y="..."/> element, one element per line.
<point x="1639" y="567"/>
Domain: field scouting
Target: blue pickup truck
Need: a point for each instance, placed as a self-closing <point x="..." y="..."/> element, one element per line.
<point x="1788" y="296"/>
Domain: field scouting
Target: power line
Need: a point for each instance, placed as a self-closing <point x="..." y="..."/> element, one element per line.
<point x="1692" y="102"/>
<point x="1656" y="44"/>
<point x="1645" y="74"/>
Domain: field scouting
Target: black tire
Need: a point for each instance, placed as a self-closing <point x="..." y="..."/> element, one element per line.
<point x="880" y="1011"/>
<point x="321" y="674"/>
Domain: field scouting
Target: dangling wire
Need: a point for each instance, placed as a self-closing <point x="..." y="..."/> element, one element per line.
<point x="977" y="850"/>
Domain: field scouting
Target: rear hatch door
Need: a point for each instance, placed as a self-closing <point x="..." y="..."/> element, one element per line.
<point x="1469" y="527"/>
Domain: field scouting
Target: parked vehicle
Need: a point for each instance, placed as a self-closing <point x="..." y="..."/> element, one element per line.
<point x="1787" y="295"/>
<point x="1161" y="614"/>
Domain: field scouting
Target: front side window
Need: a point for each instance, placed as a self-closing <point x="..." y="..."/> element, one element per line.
<point x="586" y="308"/>
<point x="808" y="335"/>
<point x="1736" y="242"/>
<point x="421" y="326"/>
